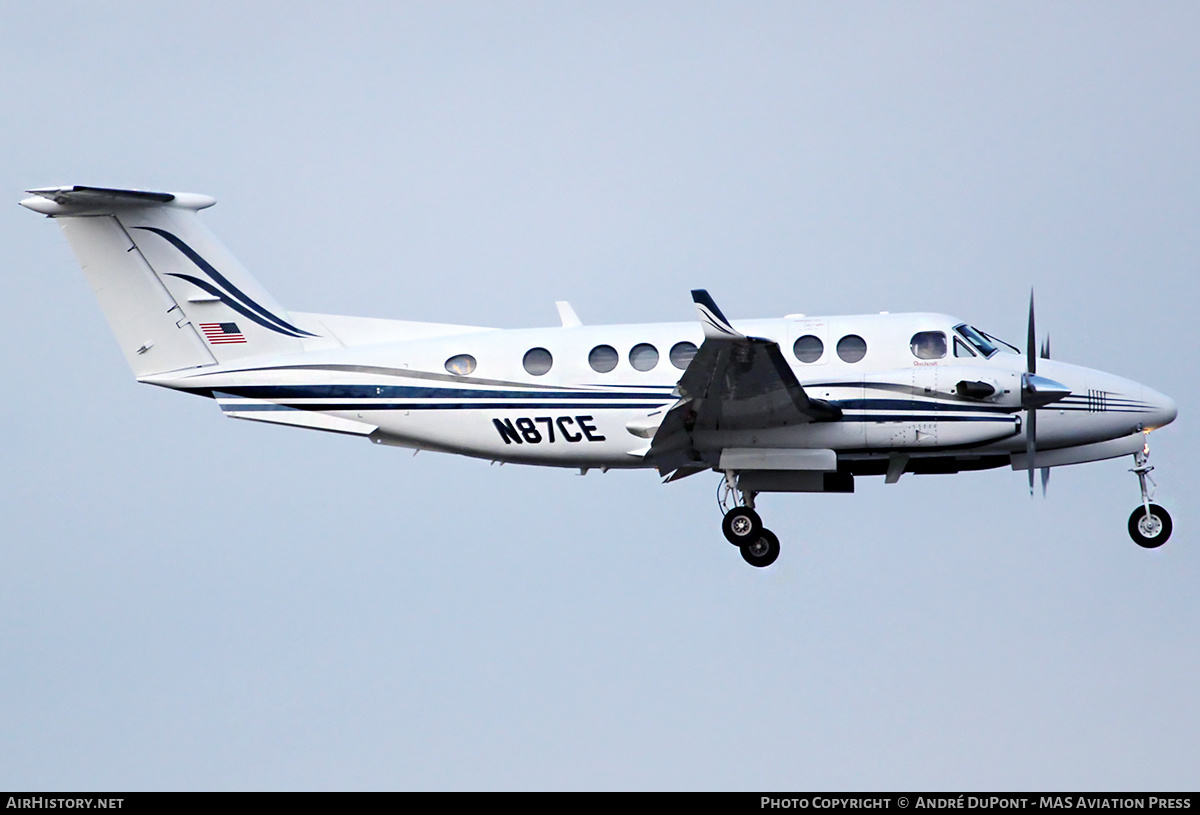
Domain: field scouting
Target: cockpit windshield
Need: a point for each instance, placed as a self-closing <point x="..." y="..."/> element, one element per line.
<point x="978" y="340"/>
<point x="1003" y="346"/>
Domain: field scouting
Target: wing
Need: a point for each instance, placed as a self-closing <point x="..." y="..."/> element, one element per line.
<point x="734" y="382"/>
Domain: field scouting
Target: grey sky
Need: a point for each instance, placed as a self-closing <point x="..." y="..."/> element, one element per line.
<point x="190" y="602"/>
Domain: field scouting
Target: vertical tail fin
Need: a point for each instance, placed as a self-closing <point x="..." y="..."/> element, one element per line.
<point x="174" y="296"/>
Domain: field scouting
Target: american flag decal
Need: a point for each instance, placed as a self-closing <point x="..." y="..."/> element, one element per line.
<point x="222" y="333"/>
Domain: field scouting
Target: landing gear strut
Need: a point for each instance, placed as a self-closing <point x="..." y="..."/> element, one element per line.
<point x="1150" y="524"/>
<point x="742" y="526"/>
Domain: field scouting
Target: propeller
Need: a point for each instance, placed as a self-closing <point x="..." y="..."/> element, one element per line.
<point x="1031" y="412"/>
<point x="1036" y="391"/>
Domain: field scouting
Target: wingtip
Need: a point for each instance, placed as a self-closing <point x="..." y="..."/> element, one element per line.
<point x="715" y="323"/>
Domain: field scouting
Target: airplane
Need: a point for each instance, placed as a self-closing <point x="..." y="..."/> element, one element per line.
<point x="797" y="404"/>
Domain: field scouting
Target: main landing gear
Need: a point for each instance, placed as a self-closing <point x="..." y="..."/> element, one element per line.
<point x="743" y="528"/>
<point x="1150" y="524"/>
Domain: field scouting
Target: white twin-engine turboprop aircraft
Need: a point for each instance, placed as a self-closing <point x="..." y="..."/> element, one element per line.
<point x="798" y="404"/>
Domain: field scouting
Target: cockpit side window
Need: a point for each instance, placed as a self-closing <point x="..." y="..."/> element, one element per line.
<point x="977" y="340"/>
<point x="961" y="349"/>
<point x="928" y="345"/>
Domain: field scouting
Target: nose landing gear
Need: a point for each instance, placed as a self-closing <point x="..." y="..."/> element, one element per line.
<point x="742" y="526"/>
<point x="1150" y="524"/>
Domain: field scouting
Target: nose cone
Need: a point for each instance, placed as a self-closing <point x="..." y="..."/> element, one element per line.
<point x="1163" y="409"/>
<point x="1108" y="406"/>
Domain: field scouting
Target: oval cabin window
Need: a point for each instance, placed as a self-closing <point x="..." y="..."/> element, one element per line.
<point x="808" y="348"/>
<point x="461" y="364"/>
<point x="681" y="354"/>
<point x="643" y="357"/>
<point x="603" y="358"/>
<point x="851" y="348"/>
<point x="537" y="361"/>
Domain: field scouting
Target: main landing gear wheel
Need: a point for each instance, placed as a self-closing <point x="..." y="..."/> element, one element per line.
<point x="741" y="525"/>
<point x="1150" y="530"/>
<point x="763" y="551"/>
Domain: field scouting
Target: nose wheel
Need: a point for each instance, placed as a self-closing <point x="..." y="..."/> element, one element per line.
<point x="742" y="526"/>
<point x="1150" y="524"/>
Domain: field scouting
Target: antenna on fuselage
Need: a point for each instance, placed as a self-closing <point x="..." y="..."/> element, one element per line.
<point x="567" y="315"/>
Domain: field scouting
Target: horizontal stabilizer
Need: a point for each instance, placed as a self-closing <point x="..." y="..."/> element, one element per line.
<point x="236" y="407"/>
<point x="81" y="200"/>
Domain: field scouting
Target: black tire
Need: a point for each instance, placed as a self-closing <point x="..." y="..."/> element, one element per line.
<point x="741" y="525"/>
<point x="1150" y="532"/>
<point x="763" y="551"/>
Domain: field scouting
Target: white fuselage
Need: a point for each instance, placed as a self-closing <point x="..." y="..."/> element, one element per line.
<point x="397" y="390"/>
<point x="797" y="404"/>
